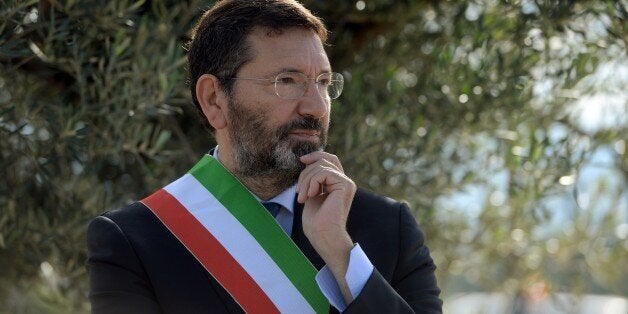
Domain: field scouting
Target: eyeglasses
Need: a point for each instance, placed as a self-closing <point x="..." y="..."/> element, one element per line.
<point x="293" y="85"/>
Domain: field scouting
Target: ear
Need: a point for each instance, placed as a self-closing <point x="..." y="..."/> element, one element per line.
<point x="213" y="100"/>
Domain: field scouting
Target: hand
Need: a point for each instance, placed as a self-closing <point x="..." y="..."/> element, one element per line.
<point x="327" y="193"/>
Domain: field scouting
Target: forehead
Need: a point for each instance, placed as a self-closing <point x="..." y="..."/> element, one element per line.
<point x="294" y="49"/>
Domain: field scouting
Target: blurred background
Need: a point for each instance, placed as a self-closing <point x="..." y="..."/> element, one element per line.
<point x="502" y="123"/>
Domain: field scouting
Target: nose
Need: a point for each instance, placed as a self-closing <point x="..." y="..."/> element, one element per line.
<point x="312" y="103"/>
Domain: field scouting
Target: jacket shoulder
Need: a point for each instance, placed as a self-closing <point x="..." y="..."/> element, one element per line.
<point x="366" y="197"/>
<point x="135" y="221"/>
<point x="135" y="210"/>
<point x="369" y="205"/>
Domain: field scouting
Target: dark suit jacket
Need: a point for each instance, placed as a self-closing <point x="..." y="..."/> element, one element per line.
<point x="137" y="266"/>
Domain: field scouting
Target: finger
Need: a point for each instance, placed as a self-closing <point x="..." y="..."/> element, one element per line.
<point x="318" y="155"/>
<point x="301" y="191"/>
<point x="305" y="179"/>
<point x="311" y="168"/>
<point x="314" y="181"/>
<point x="315" y="156"/>
<point x="324" y="180"/>
<point x="315" y="186"/>
<point x="301" y="198"/>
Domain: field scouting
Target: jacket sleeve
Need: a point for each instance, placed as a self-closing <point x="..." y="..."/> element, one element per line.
<point x="413" y="287"/>
<point x="118" y="283"/>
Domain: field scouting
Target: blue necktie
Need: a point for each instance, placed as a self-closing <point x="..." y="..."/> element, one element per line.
<point x="272" y="207"/>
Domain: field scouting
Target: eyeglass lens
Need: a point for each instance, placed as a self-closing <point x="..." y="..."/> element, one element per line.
<point x="292" y="85"/>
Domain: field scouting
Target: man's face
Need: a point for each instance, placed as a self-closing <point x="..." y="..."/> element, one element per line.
<point x="268" y="133"/>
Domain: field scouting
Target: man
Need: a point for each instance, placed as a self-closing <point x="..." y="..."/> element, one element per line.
<point x="262" y="82"/>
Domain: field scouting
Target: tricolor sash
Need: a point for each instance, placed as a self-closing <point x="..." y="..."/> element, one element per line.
<point x="237" y="241"/>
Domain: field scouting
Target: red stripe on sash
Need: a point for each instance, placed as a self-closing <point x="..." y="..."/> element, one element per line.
<point x="210" y="253"/>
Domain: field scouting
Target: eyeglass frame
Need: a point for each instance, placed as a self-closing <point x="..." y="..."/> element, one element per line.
<point x="314" y="79"/>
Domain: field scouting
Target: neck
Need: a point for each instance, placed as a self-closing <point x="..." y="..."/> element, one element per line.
<point x="264" y="187"/>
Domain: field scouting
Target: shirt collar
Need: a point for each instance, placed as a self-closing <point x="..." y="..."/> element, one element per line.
<point x="285" y="198"/>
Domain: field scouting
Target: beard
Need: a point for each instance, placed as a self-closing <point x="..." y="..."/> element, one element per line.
<point x="263" y="152"/>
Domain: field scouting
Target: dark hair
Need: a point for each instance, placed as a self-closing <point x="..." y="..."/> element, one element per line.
<point x="219" y="47"/>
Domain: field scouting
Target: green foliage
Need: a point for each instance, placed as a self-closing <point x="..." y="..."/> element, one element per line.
<point x="443" y="100"/>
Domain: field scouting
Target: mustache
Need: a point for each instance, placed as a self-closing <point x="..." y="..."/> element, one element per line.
<point x="307" y="123"/>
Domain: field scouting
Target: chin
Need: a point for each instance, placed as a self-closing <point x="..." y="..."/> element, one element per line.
<point x="304" y="148"/>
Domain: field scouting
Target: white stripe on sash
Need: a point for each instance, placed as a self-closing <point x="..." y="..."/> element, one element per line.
<point x="240" y="244"/>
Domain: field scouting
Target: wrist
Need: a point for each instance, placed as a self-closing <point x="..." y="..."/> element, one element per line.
<point x="335" y="252"/>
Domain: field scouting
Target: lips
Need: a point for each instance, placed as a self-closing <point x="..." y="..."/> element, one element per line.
<point x="310" y="135"/>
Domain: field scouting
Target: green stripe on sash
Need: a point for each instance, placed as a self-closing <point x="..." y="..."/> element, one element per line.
<point x="262" y="226"/>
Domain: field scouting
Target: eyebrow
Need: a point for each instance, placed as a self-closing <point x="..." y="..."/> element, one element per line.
<point x="282" y="70"/>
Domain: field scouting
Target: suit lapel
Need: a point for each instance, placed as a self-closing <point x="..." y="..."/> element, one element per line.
<point x="301" y="240"/>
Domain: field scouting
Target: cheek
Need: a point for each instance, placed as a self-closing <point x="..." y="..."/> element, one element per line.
<point x="326" y="120"/>
<point x="280" y="112"/>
